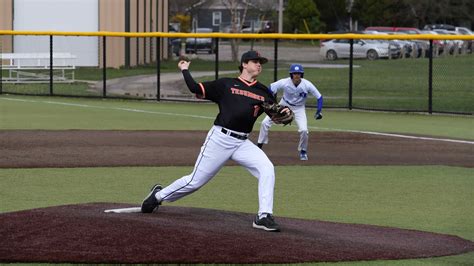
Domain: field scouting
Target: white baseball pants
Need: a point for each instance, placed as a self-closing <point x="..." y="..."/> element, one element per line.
<point x="301" y="122"/>
<point x="216" y="150"/>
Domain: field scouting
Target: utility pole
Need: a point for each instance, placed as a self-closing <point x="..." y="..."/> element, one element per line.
<point x="349" y="4"/>
<point x="280" y="16"/>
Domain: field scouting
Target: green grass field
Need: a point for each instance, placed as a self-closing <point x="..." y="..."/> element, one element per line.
<point x="430" y="198"/>
<point x="400" y="84"/>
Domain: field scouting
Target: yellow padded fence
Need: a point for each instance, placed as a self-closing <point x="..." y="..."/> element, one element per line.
<point x="244" y="35"/>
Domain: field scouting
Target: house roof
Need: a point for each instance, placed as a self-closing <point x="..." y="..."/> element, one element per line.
<point x="219" y="4"/>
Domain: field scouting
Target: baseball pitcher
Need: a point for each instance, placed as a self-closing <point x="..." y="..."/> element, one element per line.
<point x="241" y="101"/>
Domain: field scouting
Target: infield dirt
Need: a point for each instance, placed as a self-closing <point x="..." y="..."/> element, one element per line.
<point x="86" y="148"/>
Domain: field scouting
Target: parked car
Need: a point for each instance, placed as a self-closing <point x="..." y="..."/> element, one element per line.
<point x="420" y="45"/>
<point x="262" y="26"/>
<point x="250" y="29"/>
<point x="449" y="29"/>
<point x="370" y="49"/>
<point x="395" y="45"/>
<point x="399" y="30"/>
<point x="439" y="26"/>
<point x="406" y="45"/>
<point x="407" y="30"/>
<point x="379" y="29"/>
<point x="466" y="31"/>
<point x="448" y="32"/>
<point x="438" y="43"/>
<point x="451" y="45"/>
<point x="228" y="28"/>
<point x="195" y="45"/>
<point x="463" y="31"/>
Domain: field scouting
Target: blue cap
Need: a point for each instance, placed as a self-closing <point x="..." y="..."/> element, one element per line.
<point x="296" y="68"/>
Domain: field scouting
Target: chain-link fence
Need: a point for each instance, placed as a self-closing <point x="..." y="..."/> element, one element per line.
<point x="391" y="75"/>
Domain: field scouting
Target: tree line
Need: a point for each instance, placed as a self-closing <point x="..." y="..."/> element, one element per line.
<point x="326" y="16"/>
<point x="321" y="16"/>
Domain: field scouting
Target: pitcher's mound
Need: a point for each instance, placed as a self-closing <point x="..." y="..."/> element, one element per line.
<point x="85" y="234"/>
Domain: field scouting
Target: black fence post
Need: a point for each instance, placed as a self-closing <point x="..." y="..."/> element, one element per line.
<point x="275" y="64"/>
<point x="216" y="65"/>
<point x="351" y="61"/>
<point x="50" y="64"/>
<point x="430" y="79"/>
<point x="144" y="30"/>
<point x="104" y="66"/>
<point x="158" y="69"/>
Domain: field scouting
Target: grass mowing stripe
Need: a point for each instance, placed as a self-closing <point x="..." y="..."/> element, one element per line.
<point x="258" y="122"/>
<point x="109" y="108"/>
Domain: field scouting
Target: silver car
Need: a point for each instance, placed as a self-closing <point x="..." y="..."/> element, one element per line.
<point x="370" y="49"/>
<point x="193" y="45"/>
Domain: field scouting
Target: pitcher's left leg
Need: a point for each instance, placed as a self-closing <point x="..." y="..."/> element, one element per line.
<point x="258" y="164"/>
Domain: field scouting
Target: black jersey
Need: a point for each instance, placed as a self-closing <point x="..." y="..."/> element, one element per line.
<point x="239" y="101"/>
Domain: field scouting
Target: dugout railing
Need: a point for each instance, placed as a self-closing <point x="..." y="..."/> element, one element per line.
<point x="433" y="82"/>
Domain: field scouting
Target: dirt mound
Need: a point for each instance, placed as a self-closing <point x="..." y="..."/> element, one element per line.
<point x="85" y="234"/>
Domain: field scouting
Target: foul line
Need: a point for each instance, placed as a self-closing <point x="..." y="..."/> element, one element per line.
<point x="212" y="118"/>
<point x="395" y="135"/>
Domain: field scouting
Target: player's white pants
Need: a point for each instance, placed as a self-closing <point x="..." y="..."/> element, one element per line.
<point x="216" y="150"/>
<point x="301" y="122"/>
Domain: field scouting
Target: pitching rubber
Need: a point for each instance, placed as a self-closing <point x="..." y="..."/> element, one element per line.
<point x="124" y="210"/>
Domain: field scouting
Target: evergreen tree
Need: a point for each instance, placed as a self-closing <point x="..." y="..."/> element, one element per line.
<point x="300" y="11"/>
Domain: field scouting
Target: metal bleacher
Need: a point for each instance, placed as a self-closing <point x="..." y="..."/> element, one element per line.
<point x="35" y="67"/>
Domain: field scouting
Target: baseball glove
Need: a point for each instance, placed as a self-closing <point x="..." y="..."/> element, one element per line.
<point x="279" y="114"/>
<point x="318" y="116"/>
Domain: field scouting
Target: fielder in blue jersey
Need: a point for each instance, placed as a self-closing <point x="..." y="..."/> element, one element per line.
<point x="295" y="92"/>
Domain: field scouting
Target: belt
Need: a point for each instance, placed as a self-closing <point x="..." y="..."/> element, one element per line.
<point x="288" y="102"/>
<point x="232" y="134"/>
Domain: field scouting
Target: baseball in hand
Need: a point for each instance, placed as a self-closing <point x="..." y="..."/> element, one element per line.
<point x="183" y="64"/>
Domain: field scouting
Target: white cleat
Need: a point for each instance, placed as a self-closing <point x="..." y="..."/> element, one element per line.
<point x="303" y="156"/>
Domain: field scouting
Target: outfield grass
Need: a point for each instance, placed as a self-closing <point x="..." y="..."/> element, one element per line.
<point x="381" y="84"/>
<point x="430" y="198"/>
<point x="20" y="112"/>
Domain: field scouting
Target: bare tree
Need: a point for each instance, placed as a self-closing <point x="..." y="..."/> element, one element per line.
<point x="236" y="27"/>
<point x="441" y="11"/>
<point x="427" y="10"/>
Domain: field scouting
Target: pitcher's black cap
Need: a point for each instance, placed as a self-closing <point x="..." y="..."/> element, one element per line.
<point x="252" y="55"/>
